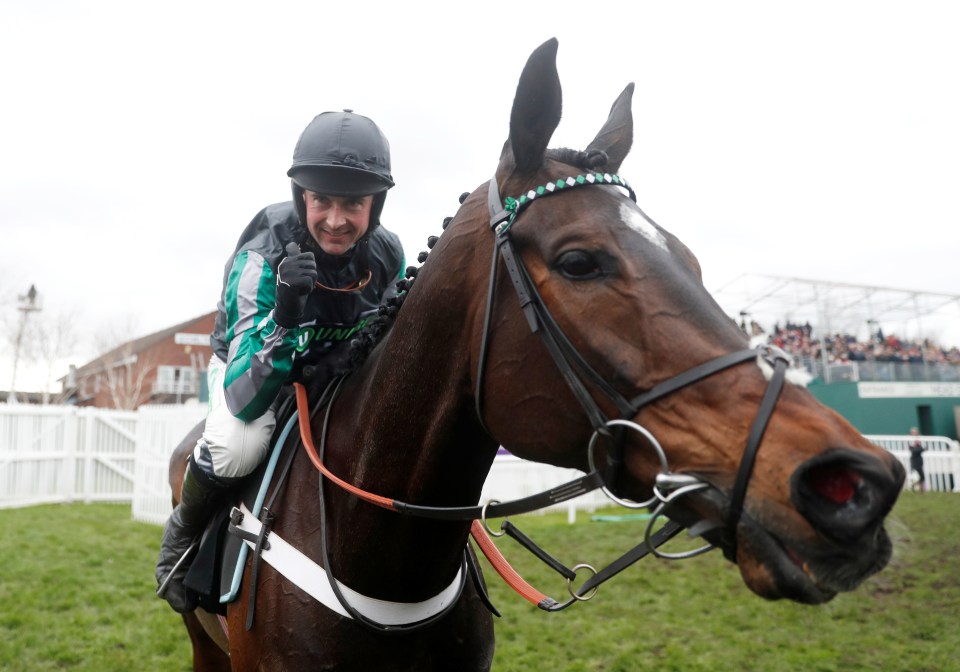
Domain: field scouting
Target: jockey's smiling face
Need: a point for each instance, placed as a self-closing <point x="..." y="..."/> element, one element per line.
<point x="337" y="222"/>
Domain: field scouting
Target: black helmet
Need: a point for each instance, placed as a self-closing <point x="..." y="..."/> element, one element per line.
<point x="342" y="154"/>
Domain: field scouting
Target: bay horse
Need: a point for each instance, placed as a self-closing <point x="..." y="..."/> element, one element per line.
<point x="554" y="318"/>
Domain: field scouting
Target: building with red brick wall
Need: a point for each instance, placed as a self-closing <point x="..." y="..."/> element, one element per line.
<point x="166" y="367"/>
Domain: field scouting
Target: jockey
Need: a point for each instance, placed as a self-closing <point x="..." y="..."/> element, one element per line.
<point x="306" y="275"/>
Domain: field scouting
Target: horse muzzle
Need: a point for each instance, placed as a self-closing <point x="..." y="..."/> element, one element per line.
<point x="844" y="496"/>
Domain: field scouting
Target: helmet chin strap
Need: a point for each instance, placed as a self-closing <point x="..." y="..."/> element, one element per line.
<point x="375" y="209"/>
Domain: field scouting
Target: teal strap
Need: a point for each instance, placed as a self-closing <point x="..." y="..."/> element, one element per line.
<point x="229" y="596"/>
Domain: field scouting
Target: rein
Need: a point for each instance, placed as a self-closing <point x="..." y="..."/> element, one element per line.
<point x="480" y="531"/>
<point x="573" y="367"/>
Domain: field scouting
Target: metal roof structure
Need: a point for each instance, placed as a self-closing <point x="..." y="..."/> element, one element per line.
<point x="836" y="307"/>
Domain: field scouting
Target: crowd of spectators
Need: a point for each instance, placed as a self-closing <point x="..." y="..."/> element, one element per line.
<point x="800" y="341"/>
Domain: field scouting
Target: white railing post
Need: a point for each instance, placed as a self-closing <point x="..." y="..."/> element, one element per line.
<point x="955" y="465"/>
<point x="89" y="455"/>
<point x="70" y="437"/>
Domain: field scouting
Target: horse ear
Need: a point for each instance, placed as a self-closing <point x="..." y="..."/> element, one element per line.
<point x="536" y="108"/>
<point x="616" y="136"/>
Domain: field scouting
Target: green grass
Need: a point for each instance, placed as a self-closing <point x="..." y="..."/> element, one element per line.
<point x="696" y="614"/>
<point x="76" y="593"/>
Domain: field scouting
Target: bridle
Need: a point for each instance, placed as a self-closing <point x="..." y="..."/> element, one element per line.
<point x="580" y="377"/>
<point x="578" y="373"/>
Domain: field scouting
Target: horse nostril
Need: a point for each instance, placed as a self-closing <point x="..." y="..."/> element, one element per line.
<point x="837" y="483"/>
<point x="844" y="494"/>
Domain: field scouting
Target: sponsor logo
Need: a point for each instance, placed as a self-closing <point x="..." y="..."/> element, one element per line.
<point x="904" y="389"/>
<point x="323" y="334"/>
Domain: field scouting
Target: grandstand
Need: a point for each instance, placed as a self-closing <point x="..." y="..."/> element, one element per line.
<point x="928" y="322"/>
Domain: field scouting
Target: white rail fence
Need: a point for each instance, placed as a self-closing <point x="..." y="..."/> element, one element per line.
<point x="160" y="430"/>
<point x="53" y="454"/>
<point x="941" y="460"/>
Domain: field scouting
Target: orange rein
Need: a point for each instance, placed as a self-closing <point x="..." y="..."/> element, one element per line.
<point x="502" y="565"/>
<point x="306" y="435"/>
<point x="477" y="529"/>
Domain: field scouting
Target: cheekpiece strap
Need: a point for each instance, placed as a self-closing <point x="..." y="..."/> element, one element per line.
<point x="514" y="206"/>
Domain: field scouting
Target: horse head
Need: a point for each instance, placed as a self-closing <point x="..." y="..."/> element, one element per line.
<point x="800" y="511"/>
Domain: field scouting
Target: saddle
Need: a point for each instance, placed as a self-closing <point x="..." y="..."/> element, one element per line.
<point x="217" y="568"/>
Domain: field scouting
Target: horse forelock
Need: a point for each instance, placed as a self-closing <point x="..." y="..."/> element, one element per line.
<point x="581" y="160"/>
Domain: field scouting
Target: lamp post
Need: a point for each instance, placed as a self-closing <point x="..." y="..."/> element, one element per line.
<point x="28" y="304"/>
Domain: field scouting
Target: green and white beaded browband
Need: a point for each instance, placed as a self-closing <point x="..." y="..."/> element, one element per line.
<point x="515" y="206"/>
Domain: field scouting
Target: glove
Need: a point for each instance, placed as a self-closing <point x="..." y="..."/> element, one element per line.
<point x="296" y="276"/>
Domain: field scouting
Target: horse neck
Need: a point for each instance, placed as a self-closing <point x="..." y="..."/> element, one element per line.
<point x="411" y="403"/>
<point x="408" y="409"/>
<point x="404" y="427"/>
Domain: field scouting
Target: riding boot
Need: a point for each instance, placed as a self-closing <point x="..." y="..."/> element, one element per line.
<point x="199" y="498"/>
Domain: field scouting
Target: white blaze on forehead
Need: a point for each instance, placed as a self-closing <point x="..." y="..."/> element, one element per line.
<point x="632" y="218"/>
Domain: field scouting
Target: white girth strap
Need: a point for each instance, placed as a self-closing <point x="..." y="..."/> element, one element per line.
<point x="312" y="579"/>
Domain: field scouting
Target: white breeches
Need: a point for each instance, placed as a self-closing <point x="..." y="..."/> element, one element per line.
<point x="230" y="447"/>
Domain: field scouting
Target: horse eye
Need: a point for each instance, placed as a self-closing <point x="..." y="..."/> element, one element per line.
<point x="578" y="265"/>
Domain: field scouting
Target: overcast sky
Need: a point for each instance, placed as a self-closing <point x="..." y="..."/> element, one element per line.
<point x="817" y="140"/>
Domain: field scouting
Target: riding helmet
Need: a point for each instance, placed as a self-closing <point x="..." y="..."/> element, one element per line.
<point x="342" y="154"/>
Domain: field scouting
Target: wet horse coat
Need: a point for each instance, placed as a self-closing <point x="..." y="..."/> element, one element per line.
<point x="629" y="298"/>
